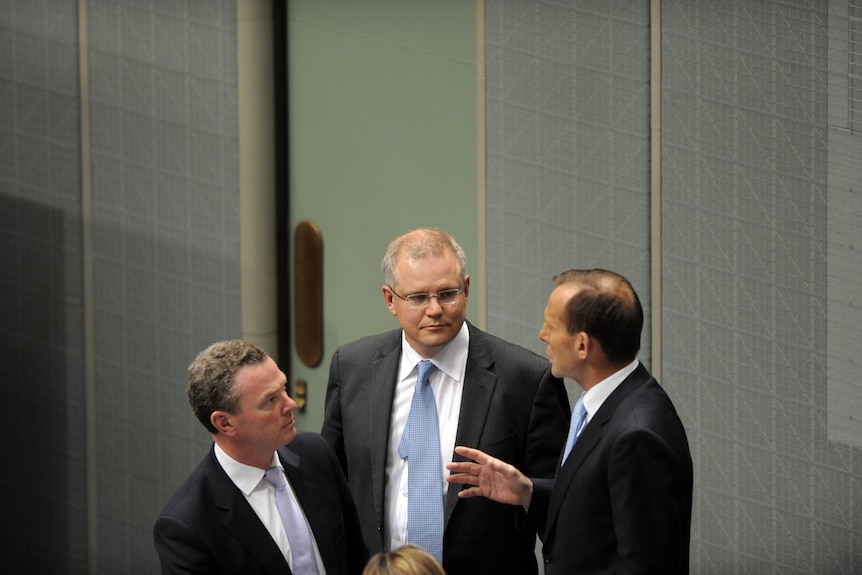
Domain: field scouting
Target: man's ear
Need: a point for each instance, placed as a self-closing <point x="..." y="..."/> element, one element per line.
<point x="389" y="299"/>
<point x="583" y="344"/>
<point x="223" y="421"/>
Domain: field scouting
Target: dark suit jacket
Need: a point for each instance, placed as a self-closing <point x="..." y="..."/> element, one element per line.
<point x="621" y="503"/>
<point x="511" y="407"/>
<point x="209" y="527"/>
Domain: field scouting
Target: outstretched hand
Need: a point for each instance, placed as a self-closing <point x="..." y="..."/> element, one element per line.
<point x="490" y="478"/>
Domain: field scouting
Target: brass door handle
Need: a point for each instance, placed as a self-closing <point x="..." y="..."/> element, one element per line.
<point x="299" y="391"/>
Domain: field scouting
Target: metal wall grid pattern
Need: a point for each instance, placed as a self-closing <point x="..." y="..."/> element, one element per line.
<point x="745" y="271"/>
<point x="165" y="247"/>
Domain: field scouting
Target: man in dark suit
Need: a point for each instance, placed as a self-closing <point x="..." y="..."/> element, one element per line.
<point x="225" y="517"/>
<point x="621" y="500"/>
<point x="488" y="393"/>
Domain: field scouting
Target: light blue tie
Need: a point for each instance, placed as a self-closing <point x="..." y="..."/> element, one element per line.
<point x="298" y="535"/>
<point x="420" y="444"/>
<point x="579" y="416"/>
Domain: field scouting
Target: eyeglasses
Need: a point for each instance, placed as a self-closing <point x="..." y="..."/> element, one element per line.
<point x="421" y="300"/>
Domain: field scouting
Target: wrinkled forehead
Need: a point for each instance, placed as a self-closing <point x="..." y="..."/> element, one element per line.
<point x="427" y="267"/>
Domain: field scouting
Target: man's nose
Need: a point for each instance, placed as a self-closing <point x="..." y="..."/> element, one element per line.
<point x="434" y="307"/>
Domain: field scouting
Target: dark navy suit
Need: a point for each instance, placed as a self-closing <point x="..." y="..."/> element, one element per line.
<point x="621" y="502"/>
<point x="209" y="527"/>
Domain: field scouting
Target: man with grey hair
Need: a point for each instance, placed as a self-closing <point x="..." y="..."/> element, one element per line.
<point x="265" y="499"/>
<point x="487" y="393"/>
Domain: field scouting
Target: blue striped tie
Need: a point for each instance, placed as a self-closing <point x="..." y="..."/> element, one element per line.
<point x="420" y="444"/>
<point x="579" y="416"/>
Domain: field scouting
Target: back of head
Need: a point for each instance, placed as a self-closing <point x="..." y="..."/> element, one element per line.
<point x="607" y="307"/>
<point x="417" y="245"/>
<point x="407" y="560"/>
<point x="211" y="377"/>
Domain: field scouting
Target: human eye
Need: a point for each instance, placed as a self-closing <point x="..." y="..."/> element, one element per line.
<point x="417" y="298"/>
<point x="447" y="295"/>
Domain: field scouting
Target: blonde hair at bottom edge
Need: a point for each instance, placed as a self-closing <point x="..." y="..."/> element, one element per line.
<point x="407" y="560"/>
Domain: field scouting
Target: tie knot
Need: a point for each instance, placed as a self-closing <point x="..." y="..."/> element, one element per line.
<point x="425" y="369"/>
<point x="580" y="410"/>
<point x="579" y="417"/>
<point x="275" y="476"/>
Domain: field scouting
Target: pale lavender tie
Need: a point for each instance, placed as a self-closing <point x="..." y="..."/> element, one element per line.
<point x="298" y="535"/>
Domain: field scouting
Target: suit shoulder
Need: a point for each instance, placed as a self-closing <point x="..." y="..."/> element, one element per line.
<point x="648" y="406"/>
<point x="311" y="453"/>
<point x="186" y="500"/>
<point x="308" y="440"/>
<point x="504" y="349"/>
<point x="650" y="393"/>
<point x="308" y="445"/>
<point x="370" y="342"/>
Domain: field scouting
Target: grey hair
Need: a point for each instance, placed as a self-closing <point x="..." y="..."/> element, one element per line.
<point x="417" y="245"/>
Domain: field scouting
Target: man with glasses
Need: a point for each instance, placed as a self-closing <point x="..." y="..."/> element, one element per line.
<point x="488" y="393"/>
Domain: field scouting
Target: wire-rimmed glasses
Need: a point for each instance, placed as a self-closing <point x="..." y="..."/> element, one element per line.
<point x="446" y="297"/>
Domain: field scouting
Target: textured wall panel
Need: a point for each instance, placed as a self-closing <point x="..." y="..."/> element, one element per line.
<point x="844" y="238"/>
<point x="567" y="152"/>
<point x="745" y="327"/>
<point x="41" y="299"/>
<point x="760" y="217"/>
<point x="166" y="247"/>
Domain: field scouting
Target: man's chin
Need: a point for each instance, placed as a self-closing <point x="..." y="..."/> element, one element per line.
<point x="437" y="337"/>
<point x="289" y="435"/>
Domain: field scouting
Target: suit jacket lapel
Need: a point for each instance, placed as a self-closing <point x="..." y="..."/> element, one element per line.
<point x="382" y="378"/>
<point x="479" y="383"/>
<point x="588" y="440"/>
<point x="306" y="493"/>
<point x="241" y="520"/>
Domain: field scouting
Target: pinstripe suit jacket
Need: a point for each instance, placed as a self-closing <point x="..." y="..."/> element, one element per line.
<point x="511" y="407"/>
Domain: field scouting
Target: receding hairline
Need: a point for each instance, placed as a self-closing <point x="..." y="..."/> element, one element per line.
<point x="603" y="281"/>
<point x="420" y="244"/>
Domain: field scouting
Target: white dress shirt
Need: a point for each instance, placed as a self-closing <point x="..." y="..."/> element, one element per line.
<point x="260" y="494"/>
<point x="447" y="383"/>
<point x="596" y="395"/>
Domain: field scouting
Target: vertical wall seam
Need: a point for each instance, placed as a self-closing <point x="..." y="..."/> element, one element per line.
<point x="89" y="313"/>
<point x="257" y="171"/>
<point x="481" y="164"/>
<point x="655" y="188"/>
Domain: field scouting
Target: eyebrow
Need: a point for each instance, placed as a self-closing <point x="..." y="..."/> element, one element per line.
<point x="444" y="290"/>
<point x="273" y="392"/>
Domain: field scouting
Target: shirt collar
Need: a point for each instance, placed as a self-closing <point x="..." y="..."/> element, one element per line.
<point x="451" y="360"/>
<point x="245" y="477"/>
<point x="596" y="395"/>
